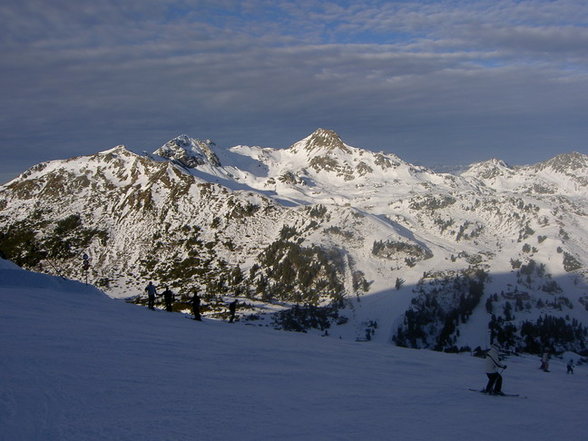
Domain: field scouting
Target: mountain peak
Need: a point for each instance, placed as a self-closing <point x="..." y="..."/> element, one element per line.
<point x="322" y="139"/>
<point x="188" y="151"/>
<point x="566" y="162"/>
<point x="489" y="169"/>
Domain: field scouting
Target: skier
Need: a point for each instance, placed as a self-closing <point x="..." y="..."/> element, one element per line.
<point x="168" y="296"/>
<point x="151" y="292"/>
<point x="570" y="366"/>
<point x="196" y="306"/>
<point x="232" y="310"/>
<point x="545" y="362"/>
<point x="493" y="363"/>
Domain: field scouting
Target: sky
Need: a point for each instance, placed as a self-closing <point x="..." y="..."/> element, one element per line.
<point x="436" y="82"/>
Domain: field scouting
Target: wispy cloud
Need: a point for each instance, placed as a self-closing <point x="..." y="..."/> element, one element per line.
<point x="443" y="79"/>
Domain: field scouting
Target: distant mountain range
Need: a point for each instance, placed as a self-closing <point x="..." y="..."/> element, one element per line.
<point x="365" y="244"/>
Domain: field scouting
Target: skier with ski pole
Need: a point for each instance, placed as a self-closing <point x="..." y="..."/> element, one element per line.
<point x="493" y="364"/>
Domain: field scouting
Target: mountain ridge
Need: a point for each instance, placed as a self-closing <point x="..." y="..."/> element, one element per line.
<point x="330" y="224"/>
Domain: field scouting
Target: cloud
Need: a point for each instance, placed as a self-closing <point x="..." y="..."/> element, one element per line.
<point x="549" y="43"/>
<point x="420" y="79"/>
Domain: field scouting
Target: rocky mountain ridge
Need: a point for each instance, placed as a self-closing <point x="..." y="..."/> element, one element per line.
<point x="365" y="236"/>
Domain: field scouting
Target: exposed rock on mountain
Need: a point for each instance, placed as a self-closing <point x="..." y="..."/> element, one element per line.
<point x="189" y="152"/>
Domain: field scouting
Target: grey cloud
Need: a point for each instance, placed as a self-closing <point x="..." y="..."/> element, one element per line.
<point x="140" y="79"/>
<point x="525" y="40"/>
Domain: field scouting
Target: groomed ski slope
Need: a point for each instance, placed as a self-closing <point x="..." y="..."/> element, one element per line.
<point x="78" y="365"/>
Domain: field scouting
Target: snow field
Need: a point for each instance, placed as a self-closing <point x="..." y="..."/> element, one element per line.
<point x="77" y="365"/>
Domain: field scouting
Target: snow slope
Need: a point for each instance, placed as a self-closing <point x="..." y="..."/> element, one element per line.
<point x="78" y="365"/>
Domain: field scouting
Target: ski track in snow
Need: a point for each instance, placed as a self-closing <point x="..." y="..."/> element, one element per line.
<point x="77" y="365"/>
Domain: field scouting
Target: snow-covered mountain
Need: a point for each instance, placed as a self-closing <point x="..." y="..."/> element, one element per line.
<point x="565" y="174"/>
<point x="189" y="152"/>
<point x="388" y="250"/>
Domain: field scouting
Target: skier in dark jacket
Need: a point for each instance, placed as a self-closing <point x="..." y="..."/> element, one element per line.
<point x="168" y="296"/>
<point x="232" y="310"/>
<point x="545" y="361"/>
<point x="196" y="306"/>
<point x="151" y="293"/>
